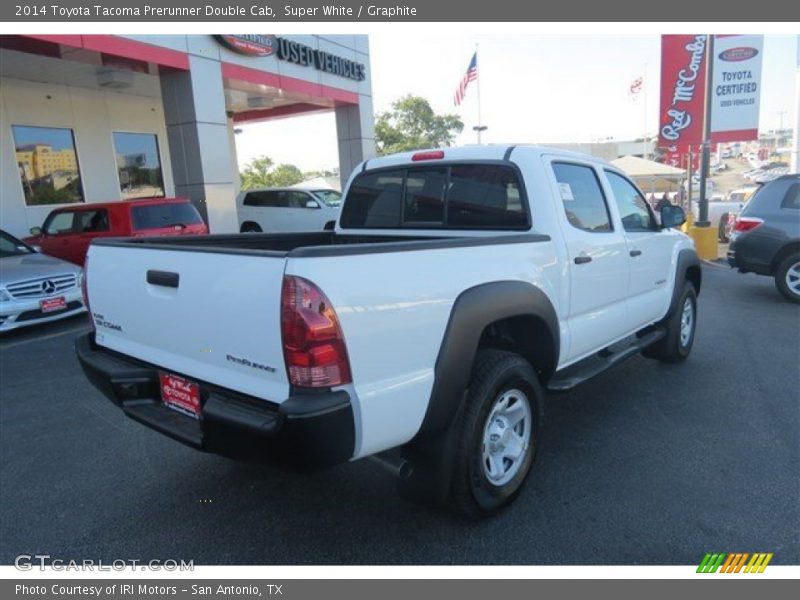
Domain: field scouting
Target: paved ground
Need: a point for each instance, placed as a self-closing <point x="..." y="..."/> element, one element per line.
<point x="648" y="464"/>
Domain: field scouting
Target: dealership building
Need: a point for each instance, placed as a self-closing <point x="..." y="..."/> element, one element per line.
<point x="97" y="118"/>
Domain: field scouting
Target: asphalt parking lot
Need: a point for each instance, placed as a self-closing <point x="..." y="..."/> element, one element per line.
<point x="647" y="464"/>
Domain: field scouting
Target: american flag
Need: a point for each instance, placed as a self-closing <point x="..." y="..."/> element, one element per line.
<point x="470" y="75"/>
<point x="636" y="87"/>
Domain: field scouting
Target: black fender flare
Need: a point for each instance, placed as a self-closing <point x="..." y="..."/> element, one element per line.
<point x="474" y="310"/>
<point x="687" y="259"/>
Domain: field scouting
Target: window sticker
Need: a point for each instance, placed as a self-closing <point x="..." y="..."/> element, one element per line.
<point x="566" y="191"/>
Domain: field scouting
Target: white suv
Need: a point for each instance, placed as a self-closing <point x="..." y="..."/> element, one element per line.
<point x="282" y="210"/>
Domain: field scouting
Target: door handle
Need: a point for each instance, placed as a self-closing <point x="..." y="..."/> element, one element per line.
<point x="581" y="260"/>
<point x="163" y="278"/>
<point x="635" y="252"/>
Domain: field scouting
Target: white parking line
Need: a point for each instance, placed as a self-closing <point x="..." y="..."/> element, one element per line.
<point x="44" y="337"/>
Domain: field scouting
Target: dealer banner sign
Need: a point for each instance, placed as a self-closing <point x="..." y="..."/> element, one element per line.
<point x="736" y="87"/>
<point x="683" y="77"/>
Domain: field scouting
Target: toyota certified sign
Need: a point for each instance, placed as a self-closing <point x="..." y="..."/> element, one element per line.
<point x="249" y="44"/>
<point x="736" y="88"/>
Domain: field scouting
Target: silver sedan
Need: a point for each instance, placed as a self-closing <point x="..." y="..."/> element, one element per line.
<point x="35" y="288"/>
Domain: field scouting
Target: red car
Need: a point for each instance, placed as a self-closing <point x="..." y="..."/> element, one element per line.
<point x="67" y="232"/>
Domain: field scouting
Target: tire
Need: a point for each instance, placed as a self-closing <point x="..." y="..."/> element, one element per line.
<point x="787" y="277"/>
<point x="250" y="228"/>
<point x="722" y="229"/>
<point x="498" y="379"/>
<point x="676" y="345"/>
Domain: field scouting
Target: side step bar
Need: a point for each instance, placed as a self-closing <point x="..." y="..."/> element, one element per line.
<point x="586" y="369"/>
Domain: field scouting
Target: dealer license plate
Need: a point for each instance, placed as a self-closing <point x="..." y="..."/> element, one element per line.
<point x="53" y="304"/>
<point x="180" y="394"/>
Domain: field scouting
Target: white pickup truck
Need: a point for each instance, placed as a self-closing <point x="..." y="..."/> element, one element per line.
<point x="457" y="286"/>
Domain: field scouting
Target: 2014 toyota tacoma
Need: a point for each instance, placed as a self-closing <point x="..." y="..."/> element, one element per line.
<point x="457" y="286"/>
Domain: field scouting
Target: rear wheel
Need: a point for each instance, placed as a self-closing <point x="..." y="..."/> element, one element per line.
<point x="787" y="277"/>
<point x="498" y="433"/>
<point x="677" y="342"/>
<point x="250" y="228"/>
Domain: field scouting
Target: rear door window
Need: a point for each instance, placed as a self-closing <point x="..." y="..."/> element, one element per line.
<point x="91" y="221"/>
<point x="792" y="197"/>
<point x="156" y="216"/>
<point x="270" y="199"/>
<point x="582" y="197"/>
<point x="458" y="196"/>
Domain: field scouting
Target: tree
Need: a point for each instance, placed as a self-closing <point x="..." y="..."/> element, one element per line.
<point x="262" y="172"/>
<point x="412" y="124"/>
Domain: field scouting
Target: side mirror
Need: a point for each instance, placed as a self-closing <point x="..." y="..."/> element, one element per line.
<point x="672" y="216"/>
<point x="312" y="204"/>
<point x="36" y="231"/>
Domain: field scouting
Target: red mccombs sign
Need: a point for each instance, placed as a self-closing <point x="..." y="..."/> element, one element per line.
<point x="683" y="84"/>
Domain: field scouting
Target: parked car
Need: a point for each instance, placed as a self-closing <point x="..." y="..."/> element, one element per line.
<point x="457" y="286"/>
<point x="285" y="210"/>
<point x="719" y="210"/>
<point x="766" y="235"/>
<point x="35" y="288"/>
<point x="67" y="232"/>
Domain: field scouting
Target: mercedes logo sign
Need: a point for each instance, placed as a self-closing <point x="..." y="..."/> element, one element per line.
<point x="48" y="287"/>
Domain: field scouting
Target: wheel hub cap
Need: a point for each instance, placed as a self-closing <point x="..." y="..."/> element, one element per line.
<point x="687" y="322"/>
<point x="506" y="437"/>
<point x="793" y="278"/>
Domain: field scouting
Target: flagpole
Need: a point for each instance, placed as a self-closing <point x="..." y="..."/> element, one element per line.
<point x="644" y="102"/>
<point x="478" y="71"/>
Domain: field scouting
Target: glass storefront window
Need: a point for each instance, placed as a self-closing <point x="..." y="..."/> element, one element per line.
<point x="138" y="165"/>
<point x="48" y="165"/>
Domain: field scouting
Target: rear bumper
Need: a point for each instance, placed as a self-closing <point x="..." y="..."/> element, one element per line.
<point x="310" y="428"/>
<point x="738" y="260"/>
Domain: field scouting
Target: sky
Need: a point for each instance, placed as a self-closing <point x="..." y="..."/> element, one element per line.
<point x="533" y="89"/>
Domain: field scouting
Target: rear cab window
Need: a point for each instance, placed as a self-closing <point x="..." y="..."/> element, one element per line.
<point x="157" y="216"/>
<point x="443" y="196"/>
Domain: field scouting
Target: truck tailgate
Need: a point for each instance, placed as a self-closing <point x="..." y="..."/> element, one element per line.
<point x="213" y="317"/>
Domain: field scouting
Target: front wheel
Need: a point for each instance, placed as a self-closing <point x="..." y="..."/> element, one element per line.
<point x="498" y="433"/>
<point x="787" y="277"/>
<point x="680" y="327"/>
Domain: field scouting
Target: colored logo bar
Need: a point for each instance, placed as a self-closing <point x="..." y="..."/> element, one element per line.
<point x="734" y="562"/>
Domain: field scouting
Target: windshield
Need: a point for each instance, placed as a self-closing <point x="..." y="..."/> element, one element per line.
<point x="329" y="197"/>
<point x="11" y="246"/>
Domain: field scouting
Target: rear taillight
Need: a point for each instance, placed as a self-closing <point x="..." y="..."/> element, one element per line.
<point x="747" y="224"/>
<point x="85" y="289"/>
<point x="313" y="344"/>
